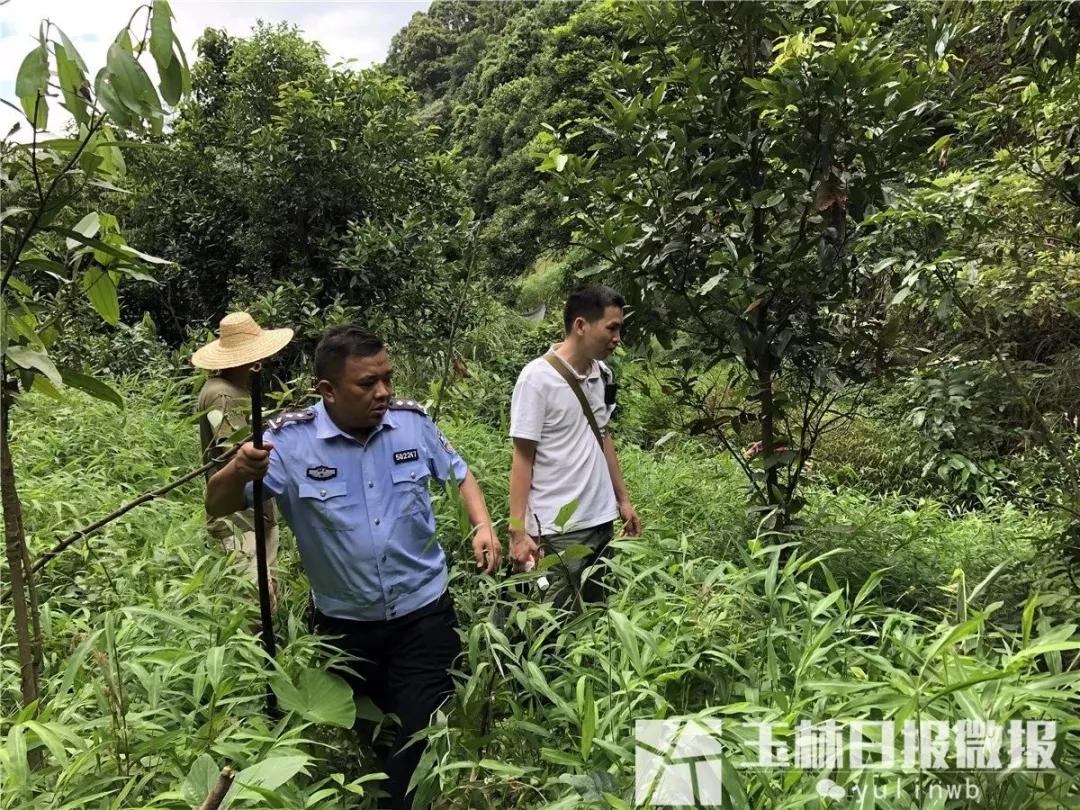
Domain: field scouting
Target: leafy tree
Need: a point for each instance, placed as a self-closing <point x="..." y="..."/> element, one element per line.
<point x="437" y="49"/>
<point x="516" y="72"/>
<point x="54" y="251"/>
<point x="987" y="258"/>
<point x="746" y="144"/>
<point x="283" y="169"/>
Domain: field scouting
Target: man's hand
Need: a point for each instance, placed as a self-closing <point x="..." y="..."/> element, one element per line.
<point x="631" y="521"/>
<point x="252" y="463"/>
<point x="522" y="546"/>
<point x="487" y="549"/>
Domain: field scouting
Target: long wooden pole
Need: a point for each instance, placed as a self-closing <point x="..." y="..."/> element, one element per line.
<point x="260" y="539"/>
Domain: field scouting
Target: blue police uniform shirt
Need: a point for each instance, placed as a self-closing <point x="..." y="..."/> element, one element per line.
<point x="361" y="511"/>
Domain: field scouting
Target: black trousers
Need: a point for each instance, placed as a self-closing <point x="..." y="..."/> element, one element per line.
<point x="405" y="671"/>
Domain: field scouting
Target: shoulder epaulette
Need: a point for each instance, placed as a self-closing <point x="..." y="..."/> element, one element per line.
<point x="407" y="405"/>
<point x="290" y="417"/>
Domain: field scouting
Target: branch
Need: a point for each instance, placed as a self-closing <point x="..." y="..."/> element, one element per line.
<point x="454" y="323"/>
<point x="73" y="538"/>
<point x="218" y="791"/>
<point x="33" y="151"/>
<point x="14" y="259"/>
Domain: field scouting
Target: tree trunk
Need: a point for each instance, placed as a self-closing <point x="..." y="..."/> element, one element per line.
<point x="16" y="552"/>
<point x="774" y="496"/>
<point x="763" y="359"/>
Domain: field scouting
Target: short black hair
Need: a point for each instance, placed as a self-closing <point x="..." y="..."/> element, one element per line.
<point x="339" y="343"/>
<point x="590" y="303"/>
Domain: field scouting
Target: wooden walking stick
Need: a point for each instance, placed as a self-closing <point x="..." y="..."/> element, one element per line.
<point x="242" y="345"/>
<point x="267" y="618"/>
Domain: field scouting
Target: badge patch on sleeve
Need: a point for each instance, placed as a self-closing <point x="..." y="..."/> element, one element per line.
<point x="322" y="472"/>
<point x="449" y="448"/>
<point x="401" y="456"/>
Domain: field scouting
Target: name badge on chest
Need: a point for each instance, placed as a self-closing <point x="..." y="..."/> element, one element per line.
<point x="402" y="456"/>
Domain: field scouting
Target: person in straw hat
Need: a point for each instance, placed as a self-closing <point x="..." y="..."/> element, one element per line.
<point x="225" y="409"/>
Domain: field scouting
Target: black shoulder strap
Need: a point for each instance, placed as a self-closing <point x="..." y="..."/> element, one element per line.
<point x="575" y="386"/>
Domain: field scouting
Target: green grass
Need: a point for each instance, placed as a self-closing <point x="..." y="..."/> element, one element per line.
<point x="153" y="679"/>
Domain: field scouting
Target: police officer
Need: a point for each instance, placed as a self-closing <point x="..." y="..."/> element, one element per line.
<point x="350" y="476"/>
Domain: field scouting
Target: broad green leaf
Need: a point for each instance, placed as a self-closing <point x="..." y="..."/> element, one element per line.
<point x="357" y="785"/>
<point x="73" y="84"/>
<point x="20" y="287"/>
<point x="321" y="697"/>
<point x="105" y="90"/>
<point x="172" y="83"/>
<point x="71" y="51"/>
<point x="88" y="226"/>
<point x="161" y="35"/>
<point x="37" y="361"/>
<point x="43" y="386"/>
<point x="504" y="768"/>
<point x="129" y="251"/>
<point x="1043" y="649"/>
<point x="116" y="251"/>
<point x="200" y="780"/>
<point x="1028" y="617"/>
<point x="957" y="633"/>
<point x="123" y="40"/>
<point x="133" y="86"/>
<point x="32" y="82"/>
<point x="269" y="774"/>
<point x="12" y="211"/>
<point x="185" y="72"/>
<point x="565" y="514"/>
<point x="92" y="386"/>
<point x="869" y="586"/>
<point x="100" y="288"/>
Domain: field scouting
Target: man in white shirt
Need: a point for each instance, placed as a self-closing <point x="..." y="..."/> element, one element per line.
<point x="558" y="458"/>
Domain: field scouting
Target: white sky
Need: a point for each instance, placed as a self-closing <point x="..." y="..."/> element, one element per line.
<point x="347" y="29"/>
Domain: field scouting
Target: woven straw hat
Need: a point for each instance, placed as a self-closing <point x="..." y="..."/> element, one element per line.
<point x="241" y="341"/>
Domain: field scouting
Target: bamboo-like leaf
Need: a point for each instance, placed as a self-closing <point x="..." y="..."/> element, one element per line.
<point x="957" y="633"/>
<point x="1028" y="617"/>
<point x="625" y="632"/>
<point x="587" y="707"/>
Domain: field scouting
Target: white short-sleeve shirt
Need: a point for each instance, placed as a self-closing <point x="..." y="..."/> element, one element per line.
<point x="569" y="462"/>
